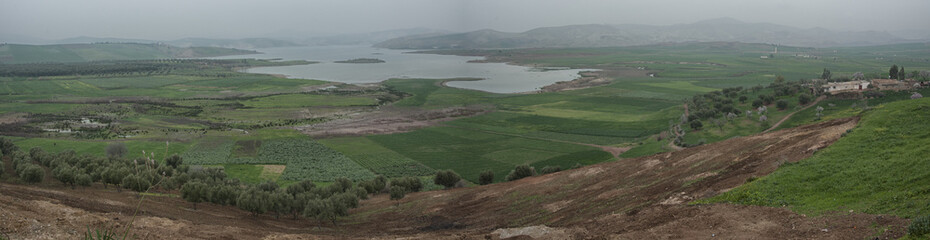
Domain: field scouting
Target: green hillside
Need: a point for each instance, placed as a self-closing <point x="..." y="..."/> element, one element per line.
<point x="880" y="167"/>
<point x="19" y="53"/>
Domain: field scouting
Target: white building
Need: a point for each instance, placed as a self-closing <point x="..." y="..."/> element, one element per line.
<point x="846" y="86"/>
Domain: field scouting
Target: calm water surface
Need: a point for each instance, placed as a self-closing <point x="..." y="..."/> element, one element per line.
<point x="498" y="77"/>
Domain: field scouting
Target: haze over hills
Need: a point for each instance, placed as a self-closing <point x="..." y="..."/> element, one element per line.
<point x="600" y="35"/>
<point x="244" y="43"/>
<point x="81" y="52"/>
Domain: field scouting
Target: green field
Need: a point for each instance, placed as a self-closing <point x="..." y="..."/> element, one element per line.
<point x="213" y="115"/>
<point x="469" y="152"/>
<point x="880" y="167"/>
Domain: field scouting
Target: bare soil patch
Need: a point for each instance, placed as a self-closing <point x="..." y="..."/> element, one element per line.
<point x="387" y="120"/>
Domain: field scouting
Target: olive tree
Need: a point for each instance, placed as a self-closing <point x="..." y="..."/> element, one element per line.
<point x="446" y="178"/>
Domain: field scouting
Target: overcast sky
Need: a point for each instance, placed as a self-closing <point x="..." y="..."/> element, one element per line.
<point x="173" y="19"/>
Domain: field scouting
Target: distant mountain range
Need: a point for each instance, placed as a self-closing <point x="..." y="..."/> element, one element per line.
<point x="595" y="35"/>
<point x="372" y="37"/>
<point x="244" y="43"/>
<point x="81" y="52"/>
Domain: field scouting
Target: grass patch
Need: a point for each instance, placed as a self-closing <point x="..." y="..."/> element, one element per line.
<point x="854" y="173"/>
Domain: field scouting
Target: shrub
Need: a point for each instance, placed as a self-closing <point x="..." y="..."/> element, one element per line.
<point x="919" y="226"/>
<point x="7" y="147"/>
<point x="300" y="187"/>
<point x="83" y="180"/>
<point x="521" y="171"/>
<point x="486" y="177"/>
<point x="696" y="125"/>
<point x="116" y="150"/>
<point x="803" y="99"/>
<point x="782" y="104"/>
<point x="32" y="174"/>
<point x="757" y="103"/>
<point x="549" y="169"/>
<point x="446" y="178"/>
<point x="194" y="192"/>
<point x="410" y="184"/>
<point x="136" y="183"/>
<point x="174" y="161"/>
<point x="397" y="192"/>
<point x="742" y="99"/>
<point x="268" y="186"/>
<point x="254" y="200"/>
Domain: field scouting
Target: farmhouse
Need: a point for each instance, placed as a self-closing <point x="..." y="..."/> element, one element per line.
<point x="892" y="84"/>
<point x="852" y="86"/>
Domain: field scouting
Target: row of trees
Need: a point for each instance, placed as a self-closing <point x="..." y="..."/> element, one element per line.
<point x="198" y="185"/>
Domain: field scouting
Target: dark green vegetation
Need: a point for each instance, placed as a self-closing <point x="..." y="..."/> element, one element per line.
<point x="18" y="53"/>
<point x="882" y="166"/>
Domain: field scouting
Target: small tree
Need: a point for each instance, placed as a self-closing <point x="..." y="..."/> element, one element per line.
<point x="446" y="178"/>
<point x="549" y="169"/>
<point x="254" y="200"/>
<point x="521" y="171"/>
<point x="194" y="192"/>
<point x="826" y="74"/>
<point x="781" y="104"/>
<point x="32" y="174"/>
<point x="804" y="99"/>
<point x="902" y="74"/>
<point x="743" y="98"/>
<point x="7" y="147"/>
<point x="696" y="124"/>
<point x="136" y="183"/>
<point x="757" y="103"/>
<point x="116" y="150"/>
<point x="281" y="203"/>
<point x="486" y="177"/>
<point x="397" y="192"/>
<point x="83" y="180"/>
<point x="174" y="161"/>
<point x="893" y="72"/>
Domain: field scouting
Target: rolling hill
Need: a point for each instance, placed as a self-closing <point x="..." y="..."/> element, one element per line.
<point x="594" y="35"/>
<point x="20" y="53"/>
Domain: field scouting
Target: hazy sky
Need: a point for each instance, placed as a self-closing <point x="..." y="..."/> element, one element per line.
<point x="172" y="19"/>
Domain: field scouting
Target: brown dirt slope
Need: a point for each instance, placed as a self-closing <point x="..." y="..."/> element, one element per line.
<point x="642" y="198"/>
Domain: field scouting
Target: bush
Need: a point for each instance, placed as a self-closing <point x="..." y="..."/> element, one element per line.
<point x="919" y="226"/>
<point x="397" y="192"/>
<point x="804" y="99"/>
<point x="83" y="180"/>
<point x="757" y="103"/>
<point x="486" y="177"/>
<point x="7" y="147"/>
<point x="446" y="178"/>
<point x="136" y="183"/>
<point x="116" y="150"/>
<point x="521" y="171"/>
<point x="254" y="200"/>
<point x="696" y="125"/>
<point x="32" y="174"/>
<point x="174" y="161"/>
<point x="549" y="169"/>
<point x="194" y="192"/>
<point x="781" y="104"/>
<point x="410" y="184"/>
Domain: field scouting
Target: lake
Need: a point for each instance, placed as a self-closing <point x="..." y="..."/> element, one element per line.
<point x="498" y="77"/>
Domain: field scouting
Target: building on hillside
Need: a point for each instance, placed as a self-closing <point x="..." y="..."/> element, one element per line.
<point x="851" y="86"/>
<point x="891" y="84"/>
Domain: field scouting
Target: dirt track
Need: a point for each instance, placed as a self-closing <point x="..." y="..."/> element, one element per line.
<point x="626" y="199"/>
